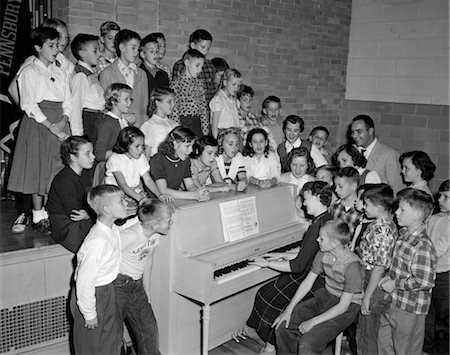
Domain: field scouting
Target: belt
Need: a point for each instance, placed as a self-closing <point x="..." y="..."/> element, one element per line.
<point x="92" y="111"/>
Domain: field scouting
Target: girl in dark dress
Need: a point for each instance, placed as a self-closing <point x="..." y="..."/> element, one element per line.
<point x="67" y="207"/>
<point x="273" y="297"/>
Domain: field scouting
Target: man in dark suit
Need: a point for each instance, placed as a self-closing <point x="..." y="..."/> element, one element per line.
<point x="380" y="157"/>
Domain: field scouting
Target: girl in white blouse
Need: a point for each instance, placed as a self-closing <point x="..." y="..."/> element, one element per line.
<point x="224" y="106"/>
<point x="261" y="164"/>
<point x="46" y="100"/>
<point x="156" y="129"/>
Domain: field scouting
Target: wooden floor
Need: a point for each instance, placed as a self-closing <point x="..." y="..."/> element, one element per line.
<point x="10" y="241"/>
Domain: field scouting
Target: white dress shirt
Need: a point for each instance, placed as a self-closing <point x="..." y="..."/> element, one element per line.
<point x="86" y="93"/>
<point x="38" y="82"/>
<point x="98" y="265"/>
<point x="227" y="108"/>
<point x="263" y="168"/>
<point x="131" y="169"/>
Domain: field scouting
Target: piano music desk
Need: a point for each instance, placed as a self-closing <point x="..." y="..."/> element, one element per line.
<point x="195" y="311"/>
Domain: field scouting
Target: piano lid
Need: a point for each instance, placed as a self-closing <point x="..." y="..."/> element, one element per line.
<point x="198" y="226"/>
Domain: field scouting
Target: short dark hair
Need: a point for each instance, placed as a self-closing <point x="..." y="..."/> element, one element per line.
<point x="320" y="189"/>
<point x="192" y="54"/>
<point x="368" y="121"/>
<point x="71" y="146"/>
<point x="53" y="23"/>
<point x="270" y="98"/>
<point x="444" y="186"/>
<point x="417" y="199"/>
<point x="245" y="90"/>
<point x="108" y="26"/>
<point x="341" y="231"/>
<point x="357" y="157"/>
<point x="125" y="138"/>
<point x="124" y="36"/>
<point x="220" y="64"/>
<point x="200" y="35"/>
<point x="42" y="34"/>
<point x="380" y="195"/>
<point x="79" y="43"/>
<point x="201" y="143"/>
<point x="294" y="119"/>
<point x="151" y="38"/>
<point x="349" y="173"/>
<point x="151" y="209"/>
<point x="302" y="152"/>
<point x="159" y="35"/>
<point x="421" y="161"/>
<point x="320" y="128"/>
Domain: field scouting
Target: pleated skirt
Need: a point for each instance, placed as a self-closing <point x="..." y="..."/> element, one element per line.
<point x="36" y="159"/>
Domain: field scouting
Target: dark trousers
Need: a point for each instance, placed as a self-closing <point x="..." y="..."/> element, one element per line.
<point x="91" y="119"/>
<point x="132" y="304"/>
<point x="436" y="322"/>
<point x="291" y="341"/>
<point x="105" y="339"/>
<point x="193" y="123"/>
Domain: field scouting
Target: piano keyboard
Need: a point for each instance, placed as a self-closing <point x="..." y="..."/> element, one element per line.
<point x="242" y="268"/>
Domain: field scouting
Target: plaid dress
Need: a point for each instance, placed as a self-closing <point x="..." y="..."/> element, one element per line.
<point x="272" y="298"/>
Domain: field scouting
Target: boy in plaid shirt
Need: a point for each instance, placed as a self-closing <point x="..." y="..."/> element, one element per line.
<point x="410" y="278"/>
<point x="346" y="186"/>
<point x="375" y="250"/>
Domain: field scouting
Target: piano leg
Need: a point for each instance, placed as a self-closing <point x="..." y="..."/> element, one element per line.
<point x="206" y="316"/>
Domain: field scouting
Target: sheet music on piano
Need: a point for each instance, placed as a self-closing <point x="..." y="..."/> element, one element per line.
<point x="239" y="218"/>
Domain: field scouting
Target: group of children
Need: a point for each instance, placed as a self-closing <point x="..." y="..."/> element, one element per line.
<point x="145" y="135"/>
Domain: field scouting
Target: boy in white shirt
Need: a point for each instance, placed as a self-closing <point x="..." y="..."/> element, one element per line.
<point x="139" y="237"/>
<point x="96" y="328"/>
<point x="87" y="94"/>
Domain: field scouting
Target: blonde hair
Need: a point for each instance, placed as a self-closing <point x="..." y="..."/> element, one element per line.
<point x="97" y="197"/>
<point x="112" y="94"/>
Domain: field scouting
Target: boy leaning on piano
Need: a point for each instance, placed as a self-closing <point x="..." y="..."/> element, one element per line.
<point x="139" y="237"/>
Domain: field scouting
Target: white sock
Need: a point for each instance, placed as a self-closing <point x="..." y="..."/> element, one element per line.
<point x="38" y="215"/>
<point x="45" y="213"/>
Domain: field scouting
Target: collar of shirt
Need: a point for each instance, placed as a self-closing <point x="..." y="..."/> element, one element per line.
<point x="405" y="234"/>
<point x="369" y="148"/>
<point x="152" y="71"/>
<point x="202" y="167"/>
<point x="227" y="95"/>
<point x="85" y="65"/>
<point x="289" y="146"/>
<point x="127" y="68"/>
<point x="105" y="228"/>
<point x="122" y="121"/>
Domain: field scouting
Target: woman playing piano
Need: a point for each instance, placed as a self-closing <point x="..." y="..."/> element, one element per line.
<point x="272" y="298"/>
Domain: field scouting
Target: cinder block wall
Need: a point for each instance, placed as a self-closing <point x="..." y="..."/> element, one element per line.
<point x="294" y="49"/>
<point x="407" y="127"/>
<point x="398" y="73"/>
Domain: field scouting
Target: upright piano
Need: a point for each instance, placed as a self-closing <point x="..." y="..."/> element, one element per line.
<point x="201" y="286"/>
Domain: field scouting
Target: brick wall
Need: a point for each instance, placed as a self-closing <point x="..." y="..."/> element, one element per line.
<point x="294" y="49"/>
<point x="399" y="51"/>
<point x="407" y="127"/>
